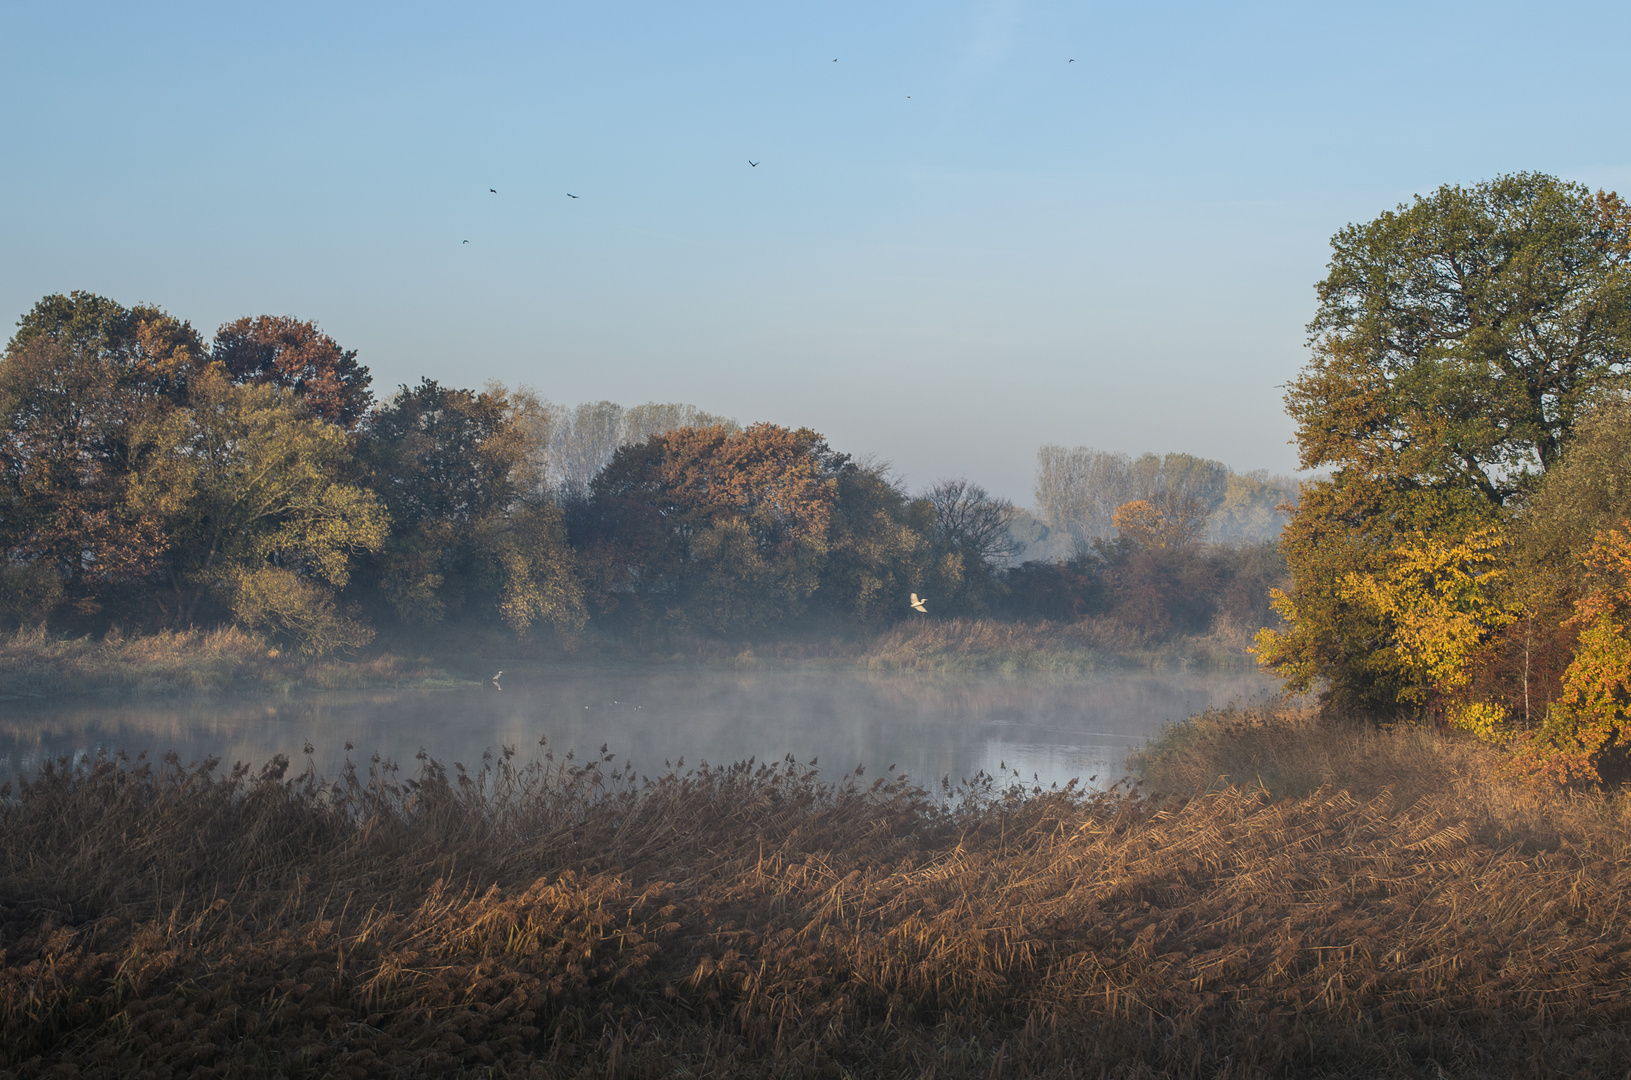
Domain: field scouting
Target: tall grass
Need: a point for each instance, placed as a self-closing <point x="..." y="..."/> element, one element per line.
<point x="553" y="919"/>
<point x="34" y="663"/>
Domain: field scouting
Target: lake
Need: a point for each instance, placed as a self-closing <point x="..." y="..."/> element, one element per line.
<point x="1051" y="728"/>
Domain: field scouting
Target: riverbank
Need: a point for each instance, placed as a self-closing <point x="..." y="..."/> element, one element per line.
<point x="1419" y="918"/>
<point x="36" y="664"/>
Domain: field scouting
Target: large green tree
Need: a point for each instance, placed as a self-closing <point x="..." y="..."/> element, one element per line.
<point x="1457" y="340"/>
<point x="1458" y="336"/>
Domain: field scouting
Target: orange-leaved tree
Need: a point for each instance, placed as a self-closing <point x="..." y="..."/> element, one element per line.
<point x="287" y="352"/>
<point x="1590" y="721"/>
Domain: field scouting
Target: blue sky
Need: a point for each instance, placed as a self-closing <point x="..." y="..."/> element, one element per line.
<point x="957" y="245"/>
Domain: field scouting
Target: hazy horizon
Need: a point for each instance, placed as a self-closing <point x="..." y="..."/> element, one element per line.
<point x="957" y="245"/>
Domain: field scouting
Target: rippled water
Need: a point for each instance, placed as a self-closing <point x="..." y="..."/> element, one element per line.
<point x="1052" y="728"/>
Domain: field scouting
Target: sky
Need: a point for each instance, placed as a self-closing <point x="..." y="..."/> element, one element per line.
<point x="973" y="228"/>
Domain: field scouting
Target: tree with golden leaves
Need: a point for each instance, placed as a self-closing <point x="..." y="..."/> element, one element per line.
<point x="1458" y="340"/>
<point x="1592" y="717"/>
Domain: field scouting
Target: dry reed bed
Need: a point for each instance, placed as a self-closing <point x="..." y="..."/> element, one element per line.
<point x="556" y="920"/>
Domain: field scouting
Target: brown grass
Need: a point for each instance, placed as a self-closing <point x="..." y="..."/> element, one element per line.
<point x="556" y="920"/>
<point x="1295" y="751"/>
<point x="34" y="663"/>
<point x="1064" y="648"/>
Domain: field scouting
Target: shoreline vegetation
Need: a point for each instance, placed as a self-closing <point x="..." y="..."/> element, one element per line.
<point x="37" y="664"/>
<point x="1286" y="894"/>
<point x="154" y="482"/>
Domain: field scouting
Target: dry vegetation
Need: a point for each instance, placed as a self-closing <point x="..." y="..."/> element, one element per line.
<point x="35" y="663"/>
<point x="562" y="921"/>
<point x="1064" y="648"/>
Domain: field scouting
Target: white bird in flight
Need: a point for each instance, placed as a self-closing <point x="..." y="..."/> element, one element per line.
<point x="917" y="605"/>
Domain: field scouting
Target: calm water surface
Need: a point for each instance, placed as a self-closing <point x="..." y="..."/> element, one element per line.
<point x="1052" y="728"/>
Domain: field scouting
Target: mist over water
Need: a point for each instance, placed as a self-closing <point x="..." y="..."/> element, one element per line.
<point x="1055" y="728"/>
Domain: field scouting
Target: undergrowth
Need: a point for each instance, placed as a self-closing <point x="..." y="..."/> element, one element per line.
<point x="557" y="919"/>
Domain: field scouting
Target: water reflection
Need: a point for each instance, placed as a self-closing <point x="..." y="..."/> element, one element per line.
<point x="1054" y="728"/>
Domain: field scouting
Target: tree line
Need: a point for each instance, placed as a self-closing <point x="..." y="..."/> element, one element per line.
<point x="1079" y="491"/>
<point x="1468" y="558"/>
<point x="150" y="478"/>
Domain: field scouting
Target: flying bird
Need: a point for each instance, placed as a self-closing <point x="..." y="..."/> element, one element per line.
<point x="494" y="190"/>
<point x="495" y="677"/>
<point x="467" y="241"/>
<point x="1073" y="61"/>
<point x="755" y="164"/>
<point x="569" y="195"/>
<point x="917" y="605"/>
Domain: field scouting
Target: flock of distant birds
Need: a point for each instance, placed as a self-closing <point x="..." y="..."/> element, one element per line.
<point x="755" y="165"/>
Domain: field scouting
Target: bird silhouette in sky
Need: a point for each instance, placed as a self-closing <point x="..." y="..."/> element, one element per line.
<point x="569" y="195"/>
<point x="467" y="241"/>
<point x="917" y="604"/>
<point x="494" y="190"/>
<point x="1073" y="61"/>
<point x="755" y="164"/>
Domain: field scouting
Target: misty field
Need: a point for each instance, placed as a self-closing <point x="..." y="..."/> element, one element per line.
<point x="563" y="919"/>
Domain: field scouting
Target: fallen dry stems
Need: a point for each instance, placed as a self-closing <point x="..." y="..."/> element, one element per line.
<point x="557" y="919"/>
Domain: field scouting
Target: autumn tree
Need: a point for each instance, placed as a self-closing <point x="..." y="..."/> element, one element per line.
<point x="1588" y="727"/>
<point x="713" y="529"/>
<point x="1458" y="337"/>
<point x="1079" y="490"/>
<point x="259" y="518"/>
<point x="81" y="380"/>
<point x="579" y="442"/>
<point x="1439" y="601"/>
<point x="284" y="351"/>
<point x="66" y="460"/>
<point x="879" y="547"/>
<point x="472" y="531"/>
<point x="150" y="351"/>
<point x="1140" y="524"/>
<point x="1456" y="343"/>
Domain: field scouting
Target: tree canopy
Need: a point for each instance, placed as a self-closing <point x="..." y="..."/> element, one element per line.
<point x="284" y="351"/>
<point x="1458" y="336"/>
<point x="1467" y="558"/>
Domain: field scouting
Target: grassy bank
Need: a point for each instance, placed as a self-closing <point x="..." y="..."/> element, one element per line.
<point x="1065" y="648"/>
<point x="34" y="663"/>
<point x="565" y="921"/>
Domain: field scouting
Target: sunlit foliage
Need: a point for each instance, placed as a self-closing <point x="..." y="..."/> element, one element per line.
<point x="286" y="352"/>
